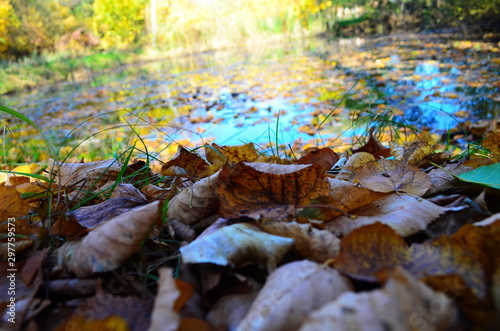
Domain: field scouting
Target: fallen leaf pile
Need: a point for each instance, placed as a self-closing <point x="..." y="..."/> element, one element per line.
<point x="402" y="238"/>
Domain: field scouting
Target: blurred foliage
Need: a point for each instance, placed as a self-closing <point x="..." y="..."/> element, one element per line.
<point x="118" y="22"/>
<point x="30" y="27"/>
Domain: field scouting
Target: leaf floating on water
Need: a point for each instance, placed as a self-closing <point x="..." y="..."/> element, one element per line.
<point x="248" y="187"/>
<point x="237" y="244"/>
<point x="393" y="176"/>
<point x="405" y="214"/>
<point x="291" y="292"/>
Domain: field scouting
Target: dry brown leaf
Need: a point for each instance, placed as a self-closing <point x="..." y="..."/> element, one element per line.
<point x="309" y="242"/>
<point x="476" y="162"/>
<point x="191" y="323"/>
<point x="164" y="317"/>
<point x="32" y="265"/>
<point x="195" y="202"/>
<point x="492" y="143"/>
<point x="186" y="164"/>
<point x="247" y="187"/>
<point x="132" y="313"/>
<point x="444" y="180"/>
<point x="13" y="179"/>
<point x="235" y="245"/>
<point x="471" y="253"/>
<point x="25" y="296"/>
<point x="291" y="292"/>
<point x="109" y="245"/>
<point x="154" y="192"/>
<point x="415" y="151"/>
<point x="21" y="246"/>
<point x="354" y="162"/>
<point x="89" y="217"/>
<point x="404" y="303"/>
<point x="35" y="191"/>
<point x="324" y="157"/>
<point x="127" y="191"/>
<point x="110" y="323"/>
<point x="405" y="214"/>
<point x="343" y="198"/>
<point x="84" y="175"/>
<point x="374" y="147"/>
<point x="231" y="154"/>
<point x="370" y="249"/>
<point x="12" y="206"/>
<point x="186" y="291"/>
<point x="393" y="176"/>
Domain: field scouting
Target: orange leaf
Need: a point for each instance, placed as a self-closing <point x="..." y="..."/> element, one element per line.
<point x="252" y="186"/>
<point x="111" y="323"/>
<point x="186" y="291"/>
<point x="471" y="253"/>
<point x="370" y="249"/>
<point x="492" y="143"/>
<point x="374" y="147"/>
<point x="325" y="157"/>
<point x="185" y="164"/>
<point x="11" y="205"/>
<point x="233" y="154"/>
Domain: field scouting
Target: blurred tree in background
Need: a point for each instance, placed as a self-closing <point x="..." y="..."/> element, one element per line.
<point x="36" y="26"/>
<point x="119" y="23"/>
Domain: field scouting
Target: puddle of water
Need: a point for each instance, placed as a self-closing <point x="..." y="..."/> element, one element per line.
<point x="233" y="97"/>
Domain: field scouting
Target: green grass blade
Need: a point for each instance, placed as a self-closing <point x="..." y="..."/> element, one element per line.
<point x="30" y="122"/>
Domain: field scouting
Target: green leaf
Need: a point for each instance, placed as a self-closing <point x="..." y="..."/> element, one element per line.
<point x="485" y="175"/>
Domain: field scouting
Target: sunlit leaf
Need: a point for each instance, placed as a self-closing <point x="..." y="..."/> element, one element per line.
<point x="237" y="244"/>
<point x="325" y="157"/>
<point x="186" y="164"/>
